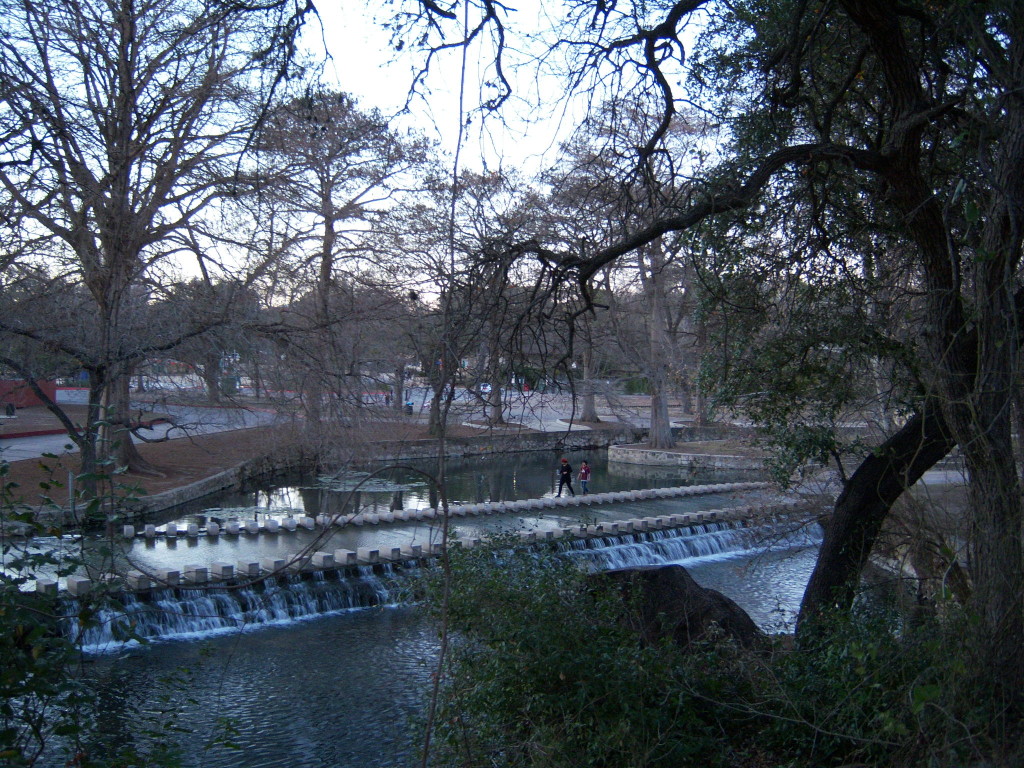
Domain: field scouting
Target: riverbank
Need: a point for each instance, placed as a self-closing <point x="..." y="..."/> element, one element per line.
<point x="186" y="460"/>
<point x="192" y="467"/>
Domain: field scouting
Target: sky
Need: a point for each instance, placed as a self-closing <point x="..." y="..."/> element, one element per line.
<point x="362" y="63"/>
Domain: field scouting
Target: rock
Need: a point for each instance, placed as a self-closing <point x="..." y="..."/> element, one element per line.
<point x="670" y="604"/>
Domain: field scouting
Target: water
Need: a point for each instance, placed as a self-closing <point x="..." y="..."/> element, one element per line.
<point x="340" y="689"/>
<point x="336" y="692"/>
<point x="189" y="612"/>
<point x="505" y="478"/>
<point x="508" y="477"/>
<point x="312" y="677"/>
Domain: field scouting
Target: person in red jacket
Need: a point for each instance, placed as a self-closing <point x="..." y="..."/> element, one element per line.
<point x="584" y="475"/>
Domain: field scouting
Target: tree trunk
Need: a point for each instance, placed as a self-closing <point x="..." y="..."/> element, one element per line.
<point x="210" y="371"/>
<point x="88" y="467"/>
<point x="661" y="428"/>
<point x="122" y="449"/>
<point x="660" y="435"/>
<point x="399" y="388"/>
<point x="434" y="426"/>
<point x="702" y="411"/>
<point x="588" y="398"/>
<point x="860" y="510"/>
<point x="493" y="405"/>
<point x="313" y="399"/>
<point x="983" y="425"/>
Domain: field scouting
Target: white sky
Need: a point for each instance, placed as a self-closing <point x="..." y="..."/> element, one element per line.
<point x="362" y="65"/>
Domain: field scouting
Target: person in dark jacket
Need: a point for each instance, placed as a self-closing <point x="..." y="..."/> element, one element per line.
<point x="565" y="477"/>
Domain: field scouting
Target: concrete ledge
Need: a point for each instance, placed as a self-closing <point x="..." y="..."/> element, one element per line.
<point x="367" y="555"/>
<point x="138" y="581"/>
<point x="345" y="557"/>
<point x="323" y="560"/>
<point x="78" y="586"/>
<point x="640" y="454"/>
<point x="739" y="516"/>
<point x="272" y="564"/>
<point x="167" y="577"/>
<point x="222" y="570"/>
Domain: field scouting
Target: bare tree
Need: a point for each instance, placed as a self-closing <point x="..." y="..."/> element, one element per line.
<point x="339" y="169"/>
<point x="122" y="123"/>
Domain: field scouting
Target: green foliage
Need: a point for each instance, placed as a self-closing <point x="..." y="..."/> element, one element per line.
<point x="637" y="386"/>
<point x="49" y="710"/>
<point x="544" y="675"/>
<point x="543" y="672"/>
<point x="39" y="698"/>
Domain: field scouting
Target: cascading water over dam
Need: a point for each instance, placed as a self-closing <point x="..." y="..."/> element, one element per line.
<point x="187" y="612"/>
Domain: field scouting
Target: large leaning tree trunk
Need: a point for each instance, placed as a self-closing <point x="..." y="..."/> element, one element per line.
<point x="866" y="500"/>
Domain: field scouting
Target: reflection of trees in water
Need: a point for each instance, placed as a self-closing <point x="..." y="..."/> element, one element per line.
<point x="501" y="477"/>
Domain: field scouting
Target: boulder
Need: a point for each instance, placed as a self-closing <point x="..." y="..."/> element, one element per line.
<point x="666" y="602"/>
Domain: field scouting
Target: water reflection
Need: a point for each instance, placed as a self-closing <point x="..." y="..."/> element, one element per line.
<point x="507" y="477"/>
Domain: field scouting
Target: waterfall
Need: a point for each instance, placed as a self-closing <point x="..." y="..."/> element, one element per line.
<point x="679" y="545"/>
<point x="184" y="613"/>
<point x="193" y="612"/>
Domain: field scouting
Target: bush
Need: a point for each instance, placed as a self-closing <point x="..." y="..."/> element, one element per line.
<point x="49" y="711"/>
<point x="544" y="673"/>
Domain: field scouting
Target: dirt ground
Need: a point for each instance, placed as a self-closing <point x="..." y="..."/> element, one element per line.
<point x="717" y="448"/>
<point x="183" y="460"/>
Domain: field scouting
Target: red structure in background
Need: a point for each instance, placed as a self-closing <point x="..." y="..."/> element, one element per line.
<point x="18" y="392"/>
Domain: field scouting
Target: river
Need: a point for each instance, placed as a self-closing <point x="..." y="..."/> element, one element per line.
<point x="341" y="689"/>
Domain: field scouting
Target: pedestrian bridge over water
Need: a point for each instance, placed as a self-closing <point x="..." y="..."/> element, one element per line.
<point x="268" y="546"/>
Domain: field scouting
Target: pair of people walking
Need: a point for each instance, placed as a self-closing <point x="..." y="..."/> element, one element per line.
<point x="565" y="477"/>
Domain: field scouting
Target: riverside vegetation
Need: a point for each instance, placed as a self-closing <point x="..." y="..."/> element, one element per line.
<point x="572" y="685"/>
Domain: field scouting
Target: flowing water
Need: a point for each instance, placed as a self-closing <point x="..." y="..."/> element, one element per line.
<point x="340" y="688"/>
<point x="330" y="671"/>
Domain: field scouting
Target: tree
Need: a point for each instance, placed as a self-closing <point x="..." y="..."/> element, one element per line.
<point x="339" y="169"/>
<point x="590" y="204"/>
<point x="121" y="125"/>
<point x="215" y="353"/>
<point x="913" y="107"/>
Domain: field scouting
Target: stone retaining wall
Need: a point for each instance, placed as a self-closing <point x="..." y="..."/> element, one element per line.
<point x="637" y="454"/>
<point x="294" y="458"/>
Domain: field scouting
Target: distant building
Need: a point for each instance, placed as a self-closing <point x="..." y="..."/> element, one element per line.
<point x="18" y="393"/>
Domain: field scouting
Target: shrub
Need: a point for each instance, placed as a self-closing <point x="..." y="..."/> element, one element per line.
<point x="543" y="673"/>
